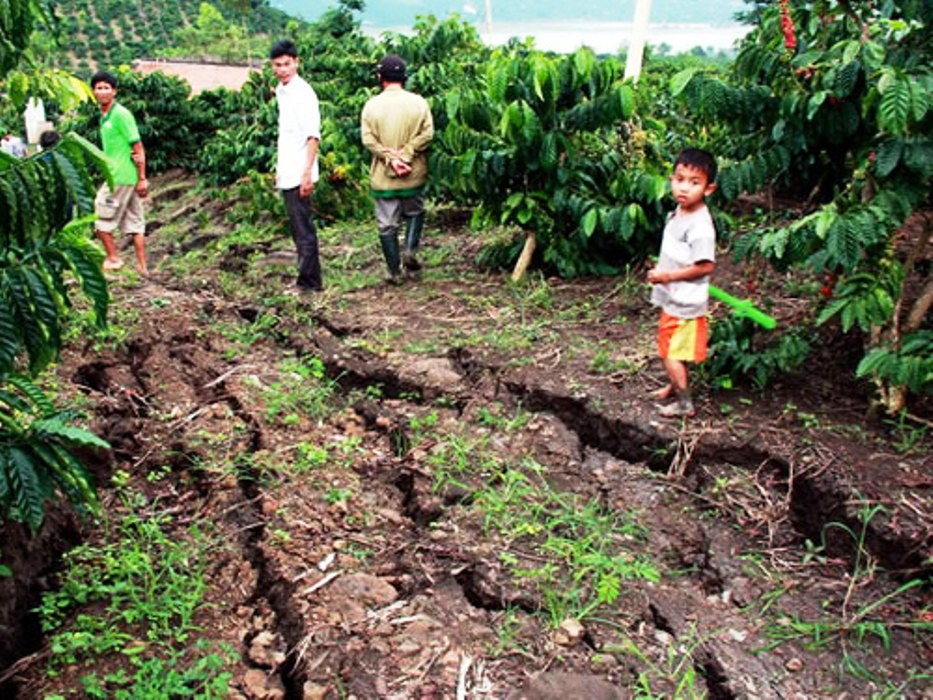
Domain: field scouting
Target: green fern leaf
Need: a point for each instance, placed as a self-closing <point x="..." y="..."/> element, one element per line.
<point x="584" y="62"/>
<point x="589" y="222"/>
<point x="83" y="259"/>
<point x="843" y="244"/>
<point x="894" y="107"/>
<point x="919" y="102"/>
<point x="31" y="333"/>
<point x="41" y="406"/>
<point x="497" y="81"/>
<point x="846" y="78"/>
<point x="918" y="156"/>
<point x="888" y="156"/>
<point x="549" y="156"/>
<point x="918" y="343"/>
<point x="9" y="338"/>
<point x="69" y="475"/>
<point x="12" y="403"/>
<point x="608" y="588"/>
<point x="875" y="363"/>
<point x="6" y="487"/>
<point x="44" y="303"/>
<point x="531" y="127"/>
<point x="79" y="149"/>
<point x="54" y="428"/>
<point x="626" y="101"/>
<point x="27" y="493"/>
<point x="9" y="199"/>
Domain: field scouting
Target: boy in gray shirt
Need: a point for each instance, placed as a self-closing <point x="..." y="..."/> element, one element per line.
<point x="681" y="277"/>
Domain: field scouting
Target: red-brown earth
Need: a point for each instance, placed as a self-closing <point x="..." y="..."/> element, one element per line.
<point x="421" y="492"/>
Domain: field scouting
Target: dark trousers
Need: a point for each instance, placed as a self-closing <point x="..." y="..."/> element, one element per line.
<point x="305" y="236"/>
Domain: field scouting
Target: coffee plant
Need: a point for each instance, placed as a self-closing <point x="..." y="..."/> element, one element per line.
<point x="540" y="142"/>
<point x="830" y="101"/>
<point x="39" y="249"/>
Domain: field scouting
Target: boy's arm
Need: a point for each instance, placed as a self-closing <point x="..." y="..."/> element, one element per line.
<point x="691" y="272"/>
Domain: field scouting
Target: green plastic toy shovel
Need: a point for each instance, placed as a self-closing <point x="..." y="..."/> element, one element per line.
<point x="744" y="307"/>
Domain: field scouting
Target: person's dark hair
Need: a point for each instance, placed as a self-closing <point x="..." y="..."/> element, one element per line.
<point x="699" y="159"/>
<point x="103" y="76"/>
<point x="48" y="139"/>
<point x="392" y="68"/>
<point x="283" y="47"/>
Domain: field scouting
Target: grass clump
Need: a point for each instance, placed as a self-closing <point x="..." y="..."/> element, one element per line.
<point x="580" y="550"/>
<point x="136" y="593"/>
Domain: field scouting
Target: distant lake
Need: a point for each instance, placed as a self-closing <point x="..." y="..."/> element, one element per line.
<point x="396" y="13"/>
<point x="566" y="36"/>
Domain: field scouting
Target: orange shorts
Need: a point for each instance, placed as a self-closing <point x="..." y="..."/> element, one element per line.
<point x="682" y="338"/>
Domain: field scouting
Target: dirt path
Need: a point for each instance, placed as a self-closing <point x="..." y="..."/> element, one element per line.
<point x="457" y="488"/>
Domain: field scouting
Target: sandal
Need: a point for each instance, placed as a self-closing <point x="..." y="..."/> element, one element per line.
<point x="679" y="409"/>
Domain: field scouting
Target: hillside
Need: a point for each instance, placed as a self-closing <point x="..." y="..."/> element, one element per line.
<point x="112" y="32"/>
<point x="107" y="33"/>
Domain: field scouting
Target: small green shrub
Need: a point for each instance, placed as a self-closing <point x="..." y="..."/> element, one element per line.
<point x="738" y="353"/>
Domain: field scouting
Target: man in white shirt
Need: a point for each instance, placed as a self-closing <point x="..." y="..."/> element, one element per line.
<point x="296" y="168"/>
<point x="14" y="146"/>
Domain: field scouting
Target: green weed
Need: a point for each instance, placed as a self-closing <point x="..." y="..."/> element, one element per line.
<point x="508" y="631"/>
<point x="855" y="626"/>
<point x="310" y="457"/>
<point x="301" y="389"/>
<point x="673" y="676"/>
<point x="137" y="594"/>
<point x="245" y="334"/>
<point x="493" y="419"/>
<point x="606" y="361"/>
<point x="581" y="548"/>
<point x="335" y="495"/>
<point x="457" y="461"/>
<point x="907" y="434"/>
<point x="422" y="346"/>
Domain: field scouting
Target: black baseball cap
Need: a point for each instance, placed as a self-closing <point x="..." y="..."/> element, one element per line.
<point x="392" y="68"/>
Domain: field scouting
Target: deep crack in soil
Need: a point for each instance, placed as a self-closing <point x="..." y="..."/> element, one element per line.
<point x="398" y="488"/>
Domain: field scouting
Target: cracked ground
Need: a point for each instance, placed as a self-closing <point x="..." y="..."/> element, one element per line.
<point x="458" y="488"/>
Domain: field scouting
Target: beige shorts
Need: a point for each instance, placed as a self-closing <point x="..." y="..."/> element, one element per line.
<point x="120" y="210"/>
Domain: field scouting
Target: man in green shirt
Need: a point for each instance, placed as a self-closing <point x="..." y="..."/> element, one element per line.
<point x="120" y="209"/>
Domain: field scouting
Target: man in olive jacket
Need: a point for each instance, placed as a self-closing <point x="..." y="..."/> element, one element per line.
<point x="397" y="128"/>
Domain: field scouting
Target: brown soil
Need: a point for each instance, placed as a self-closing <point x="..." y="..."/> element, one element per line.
<point x="382" y="572"/>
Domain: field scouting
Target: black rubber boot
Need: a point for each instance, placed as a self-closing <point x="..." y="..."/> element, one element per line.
<point x="390" y="250"/>
<point x="412" y="239"/>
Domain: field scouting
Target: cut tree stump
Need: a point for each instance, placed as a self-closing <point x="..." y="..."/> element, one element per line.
<point x="524" y="260"/>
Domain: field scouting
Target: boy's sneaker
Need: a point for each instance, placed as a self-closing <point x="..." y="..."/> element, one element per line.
<point x="112" y="265"/>
<point x="682" y="408"/>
